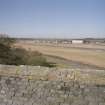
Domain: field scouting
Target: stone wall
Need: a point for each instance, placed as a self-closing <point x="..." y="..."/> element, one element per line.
<point x="30" y="85"/>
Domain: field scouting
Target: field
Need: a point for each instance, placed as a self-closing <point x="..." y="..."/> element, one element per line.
<point x="85" y="56"/>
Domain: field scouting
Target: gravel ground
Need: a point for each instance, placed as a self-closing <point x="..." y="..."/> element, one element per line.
<point x="17" y="91"/>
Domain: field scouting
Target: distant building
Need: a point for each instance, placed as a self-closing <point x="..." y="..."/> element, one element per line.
<point x="77" y="41"/>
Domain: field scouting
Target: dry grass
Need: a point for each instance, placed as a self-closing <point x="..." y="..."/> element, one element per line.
<point x="91" y="57"/>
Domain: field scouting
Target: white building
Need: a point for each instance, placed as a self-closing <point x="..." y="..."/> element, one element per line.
<point x="77" y="41"/>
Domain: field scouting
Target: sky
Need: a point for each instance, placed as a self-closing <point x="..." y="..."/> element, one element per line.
<point x="53" y="18"/>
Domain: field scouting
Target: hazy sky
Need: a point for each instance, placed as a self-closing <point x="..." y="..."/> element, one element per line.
<point x="53" y="18"/>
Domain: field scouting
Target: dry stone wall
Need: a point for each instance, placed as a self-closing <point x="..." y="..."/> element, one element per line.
<point x="30" y="85"/>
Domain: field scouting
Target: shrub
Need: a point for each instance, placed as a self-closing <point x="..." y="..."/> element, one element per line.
<point x="17" y="56"/>
<point x="5" y="40"/>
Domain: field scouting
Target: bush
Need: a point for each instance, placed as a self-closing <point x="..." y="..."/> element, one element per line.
<point x="17" y="56"/>
<point x="36" y="58"/>
<point x="5" y="40"/>
<point x="4" y="54"/>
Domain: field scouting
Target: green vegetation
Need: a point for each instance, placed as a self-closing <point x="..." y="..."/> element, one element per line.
<point x="5" y="40"/>
<point x="16" y="56"/>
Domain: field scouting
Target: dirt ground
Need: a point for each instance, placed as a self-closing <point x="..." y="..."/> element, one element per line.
<point x="91" y="57"/>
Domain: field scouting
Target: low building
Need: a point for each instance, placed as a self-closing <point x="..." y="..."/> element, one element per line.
<point x="77" y="41"/>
